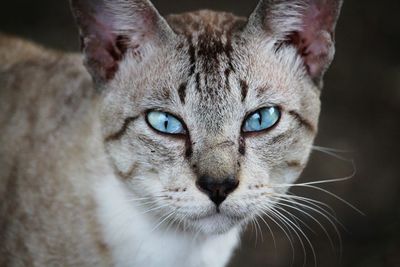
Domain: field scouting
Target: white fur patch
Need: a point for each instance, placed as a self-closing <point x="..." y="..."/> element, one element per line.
<point x="136" y="240"/>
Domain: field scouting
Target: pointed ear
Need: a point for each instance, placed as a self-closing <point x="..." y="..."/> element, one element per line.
<point x="111" y="28"/>
<point x="308" y="25"/>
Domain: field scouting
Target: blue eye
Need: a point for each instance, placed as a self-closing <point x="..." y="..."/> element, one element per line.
<point x="165" y="122"/>
<point x="262" y="119"/>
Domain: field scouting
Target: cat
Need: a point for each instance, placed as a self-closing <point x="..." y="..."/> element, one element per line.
<point x="181" y="131"/>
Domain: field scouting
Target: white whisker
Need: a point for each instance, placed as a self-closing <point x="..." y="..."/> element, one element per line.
<point x="259" y="227"/>
<point x="295" y="218"/>
<point x="332" y="152"/>
<point x="254" y="229"/>
<point x="327" y="181"/>
<point x="297" y="229"/>
<point x="313" y="204"/>
<point x="333" y="195"/>
<point x="162" y="221"/>
<point x="265" y="212"/>
<point x="270" y="230"/>
<point x="156" y="208"/>
<point x="315" y="220"/>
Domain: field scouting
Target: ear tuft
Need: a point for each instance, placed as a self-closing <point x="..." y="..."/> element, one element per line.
<point x="308" y="25"/>
<point x="109" y="29"/>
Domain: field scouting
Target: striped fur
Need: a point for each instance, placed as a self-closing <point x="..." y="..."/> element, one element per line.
<point x="84" y="180"/>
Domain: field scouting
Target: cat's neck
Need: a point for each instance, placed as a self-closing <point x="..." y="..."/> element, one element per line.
<point x="137" y="239"/>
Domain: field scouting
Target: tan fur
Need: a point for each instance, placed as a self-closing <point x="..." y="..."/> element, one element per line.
<point x="84" y="179"/>
<point x="48" y="141"/>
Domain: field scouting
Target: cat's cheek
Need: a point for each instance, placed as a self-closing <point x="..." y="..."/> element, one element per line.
<point x="120" y="158"/>
<point x="177" y="178"/>
<point x="283" y="174"/>
<point x="253" y="173"/>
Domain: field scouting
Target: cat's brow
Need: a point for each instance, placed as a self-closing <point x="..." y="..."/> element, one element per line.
<point x="128" y="174"/>
<point x="262" y="90"/>
<point x="182" y="92"/>
<point x="302" y="121"/>
<point x="227" y="75"/>
<point x="206" y="49"/>
<point x="192" y="55"/>
<point x="117" y="135"/>
<point x="244" y="89"/>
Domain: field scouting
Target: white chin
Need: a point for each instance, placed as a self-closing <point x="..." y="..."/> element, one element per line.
<point x="215" y="224"/>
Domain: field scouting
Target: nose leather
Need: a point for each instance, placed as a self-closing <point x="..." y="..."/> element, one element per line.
<point x="217" y="189"/>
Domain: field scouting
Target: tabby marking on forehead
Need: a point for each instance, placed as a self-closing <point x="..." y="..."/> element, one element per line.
<point x="208" y="36"/>
<point x="197" y="125"/>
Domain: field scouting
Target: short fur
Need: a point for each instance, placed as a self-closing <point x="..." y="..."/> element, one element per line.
<point x="84" y="180"/>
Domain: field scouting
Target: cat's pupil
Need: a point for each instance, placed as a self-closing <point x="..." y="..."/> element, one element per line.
<point x="166" y="121"/>
<point x="259" y="117"/>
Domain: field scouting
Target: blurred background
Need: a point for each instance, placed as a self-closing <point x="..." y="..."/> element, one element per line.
<point x="360" y="115"/>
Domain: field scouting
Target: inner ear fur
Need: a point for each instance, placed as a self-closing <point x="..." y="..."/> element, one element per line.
<point x="111" y="28"/>
<point x="308" y="25"/>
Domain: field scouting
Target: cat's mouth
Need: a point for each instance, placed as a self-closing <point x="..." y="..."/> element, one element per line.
<point x="218" y="213"/>
<point x="216" y="221"/>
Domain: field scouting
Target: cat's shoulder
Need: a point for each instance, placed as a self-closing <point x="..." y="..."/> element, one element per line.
<point x="32" y="68"/>
<point x="17" y="53"/>
<point x="39" y="83"/>
<point x="14" y="50"/>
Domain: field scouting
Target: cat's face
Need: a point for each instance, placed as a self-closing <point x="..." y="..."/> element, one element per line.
<point x="208" y="126"/>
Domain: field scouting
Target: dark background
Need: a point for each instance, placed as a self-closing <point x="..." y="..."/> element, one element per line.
<point x="360" y="114"/>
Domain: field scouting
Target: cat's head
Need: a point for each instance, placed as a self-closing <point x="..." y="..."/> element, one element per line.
<point x="208" y="117"/>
